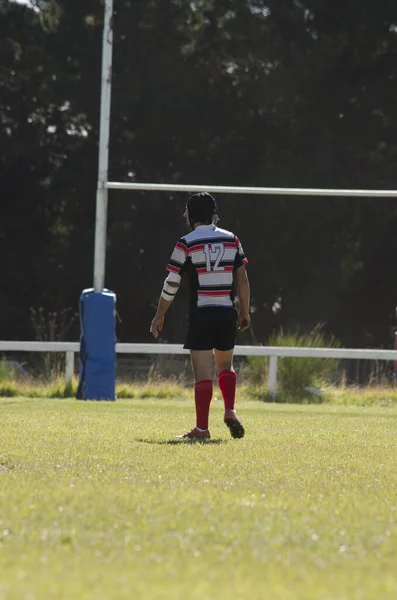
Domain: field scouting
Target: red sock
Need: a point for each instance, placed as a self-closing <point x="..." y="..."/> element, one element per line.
<point x="202" y="398"/>
<point x="227" y="383"/>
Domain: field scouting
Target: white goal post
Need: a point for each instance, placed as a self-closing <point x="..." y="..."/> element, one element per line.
<point x="104" y="185"/>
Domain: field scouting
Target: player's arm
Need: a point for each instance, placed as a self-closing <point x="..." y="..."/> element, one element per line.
<point x="243" y="291"/>
<point x="170" y="287"/>
<point x="243" y="287"/>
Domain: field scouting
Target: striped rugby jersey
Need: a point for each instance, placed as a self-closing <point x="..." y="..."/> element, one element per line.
<point x="209" y="256"/>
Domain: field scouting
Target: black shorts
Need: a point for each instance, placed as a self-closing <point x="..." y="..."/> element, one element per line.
<point x="212" y="327"/>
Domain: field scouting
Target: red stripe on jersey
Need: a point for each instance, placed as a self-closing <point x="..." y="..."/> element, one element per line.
<point x="215" y="293"/>
<point x="203" y="271"/>
<point x="196" y="248"/>
<point x="229" y="244"/>
<point x="181" y="247"/>
<point x="172" y="268"/>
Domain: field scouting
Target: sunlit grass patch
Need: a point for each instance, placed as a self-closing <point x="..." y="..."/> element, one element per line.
<point x="101" y="500"/>
<point x="175" y="390"/>
<point x="58" y="388"/>
<point x="164" y="390"/>
<point x="361" y="396"/>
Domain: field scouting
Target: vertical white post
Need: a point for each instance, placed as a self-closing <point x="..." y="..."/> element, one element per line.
<point x="69" y="366"/>
<point x="104" y="128"/>
<point x="272" y="383"/>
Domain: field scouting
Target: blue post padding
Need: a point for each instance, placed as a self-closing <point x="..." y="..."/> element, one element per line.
<point x="97" y="312"/>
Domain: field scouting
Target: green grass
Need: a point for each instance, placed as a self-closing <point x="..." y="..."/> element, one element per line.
<point x="58" y="388"/>
<point x="99" y="501"/>
<point x="374" y="395"/>
<point x="384" y="396"/>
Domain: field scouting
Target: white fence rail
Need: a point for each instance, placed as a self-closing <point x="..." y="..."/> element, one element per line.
<point x="274" y="352"/>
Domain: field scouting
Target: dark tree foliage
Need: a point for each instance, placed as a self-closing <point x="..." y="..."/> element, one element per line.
<point x="282" y="93"/>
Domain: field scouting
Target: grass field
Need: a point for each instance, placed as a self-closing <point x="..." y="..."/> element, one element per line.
<point x="100" y="501"/>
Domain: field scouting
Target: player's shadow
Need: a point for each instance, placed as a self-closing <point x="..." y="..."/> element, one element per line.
<point x="182" y="441"/>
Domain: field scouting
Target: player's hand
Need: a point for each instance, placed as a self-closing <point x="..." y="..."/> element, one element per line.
<point x="244" y="321"/>
<point x="156" y="326"/>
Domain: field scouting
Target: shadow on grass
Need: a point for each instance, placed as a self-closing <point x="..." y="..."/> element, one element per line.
<point x="178" y="442"/>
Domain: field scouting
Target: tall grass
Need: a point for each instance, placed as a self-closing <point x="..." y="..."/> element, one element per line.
<point x="296" y="374"/>
<point x="59" y="388"/>
<point x="8" y="386"/>
<point x="6" y="373"/>
<point x="372" y="395"/>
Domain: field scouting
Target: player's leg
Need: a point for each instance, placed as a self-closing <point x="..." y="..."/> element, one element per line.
<point x="227" y="378"/>
<point x="199" y="342"/>
<point x="202" y="365"/>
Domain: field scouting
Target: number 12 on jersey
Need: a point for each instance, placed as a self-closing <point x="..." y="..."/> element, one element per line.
<point x="213" y="256"/>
